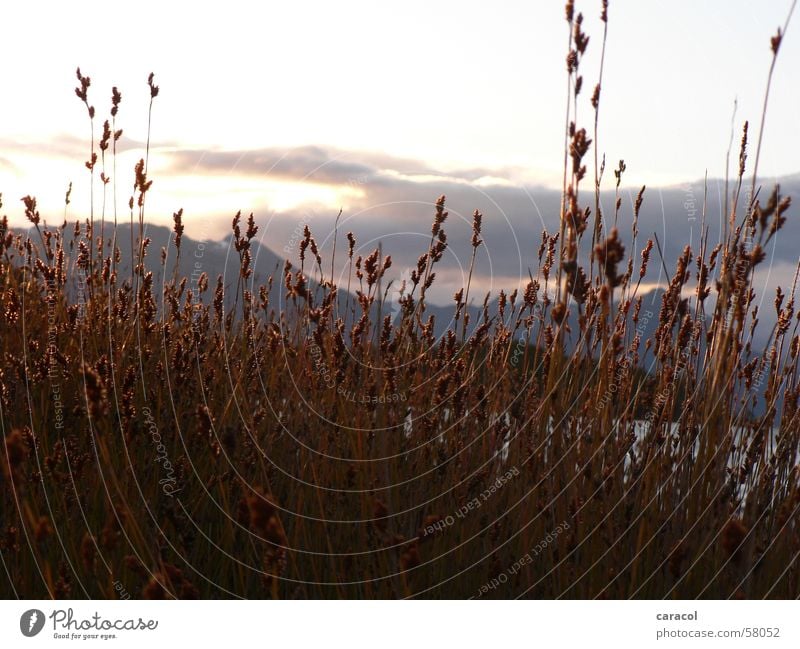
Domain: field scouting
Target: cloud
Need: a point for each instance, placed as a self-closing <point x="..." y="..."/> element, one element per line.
<point x="390" y="200"/>
<point x="305" y="164"/>
<point x="320" y="165"/>
<point x="395" y="206"/>
<point x="71" y="147"/>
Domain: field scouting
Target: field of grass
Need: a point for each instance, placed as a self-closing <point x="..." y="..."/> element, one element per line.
<point x="201" y="439"/>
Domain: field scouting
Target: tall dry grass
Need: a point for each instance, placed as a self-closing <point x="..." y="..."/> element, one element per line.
<point x="175" y="441"/>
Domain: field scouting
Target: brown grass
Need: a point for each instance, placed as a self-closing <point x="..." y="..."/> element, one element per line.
<point x="298" y="450"/>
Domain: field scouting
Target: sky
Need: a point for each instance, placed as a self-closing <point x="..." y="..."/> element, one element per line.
<point x="471" y="91"/>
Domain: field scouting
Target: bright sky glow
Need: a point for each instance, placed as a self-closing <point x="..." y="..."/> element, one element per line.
<point x="452" y="85"/>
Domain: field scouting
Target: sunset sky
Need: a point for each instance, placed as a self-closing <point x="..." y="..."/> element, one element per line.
<point x="469" y="90"/>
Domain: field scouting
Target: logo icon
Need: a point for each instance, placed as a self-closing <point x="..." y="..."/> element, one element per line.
<point x="31" y="622"/>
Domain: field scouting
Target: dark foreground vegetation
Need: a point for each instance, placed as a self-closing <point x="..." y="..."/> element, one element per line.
<point x="198" y="438"/>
